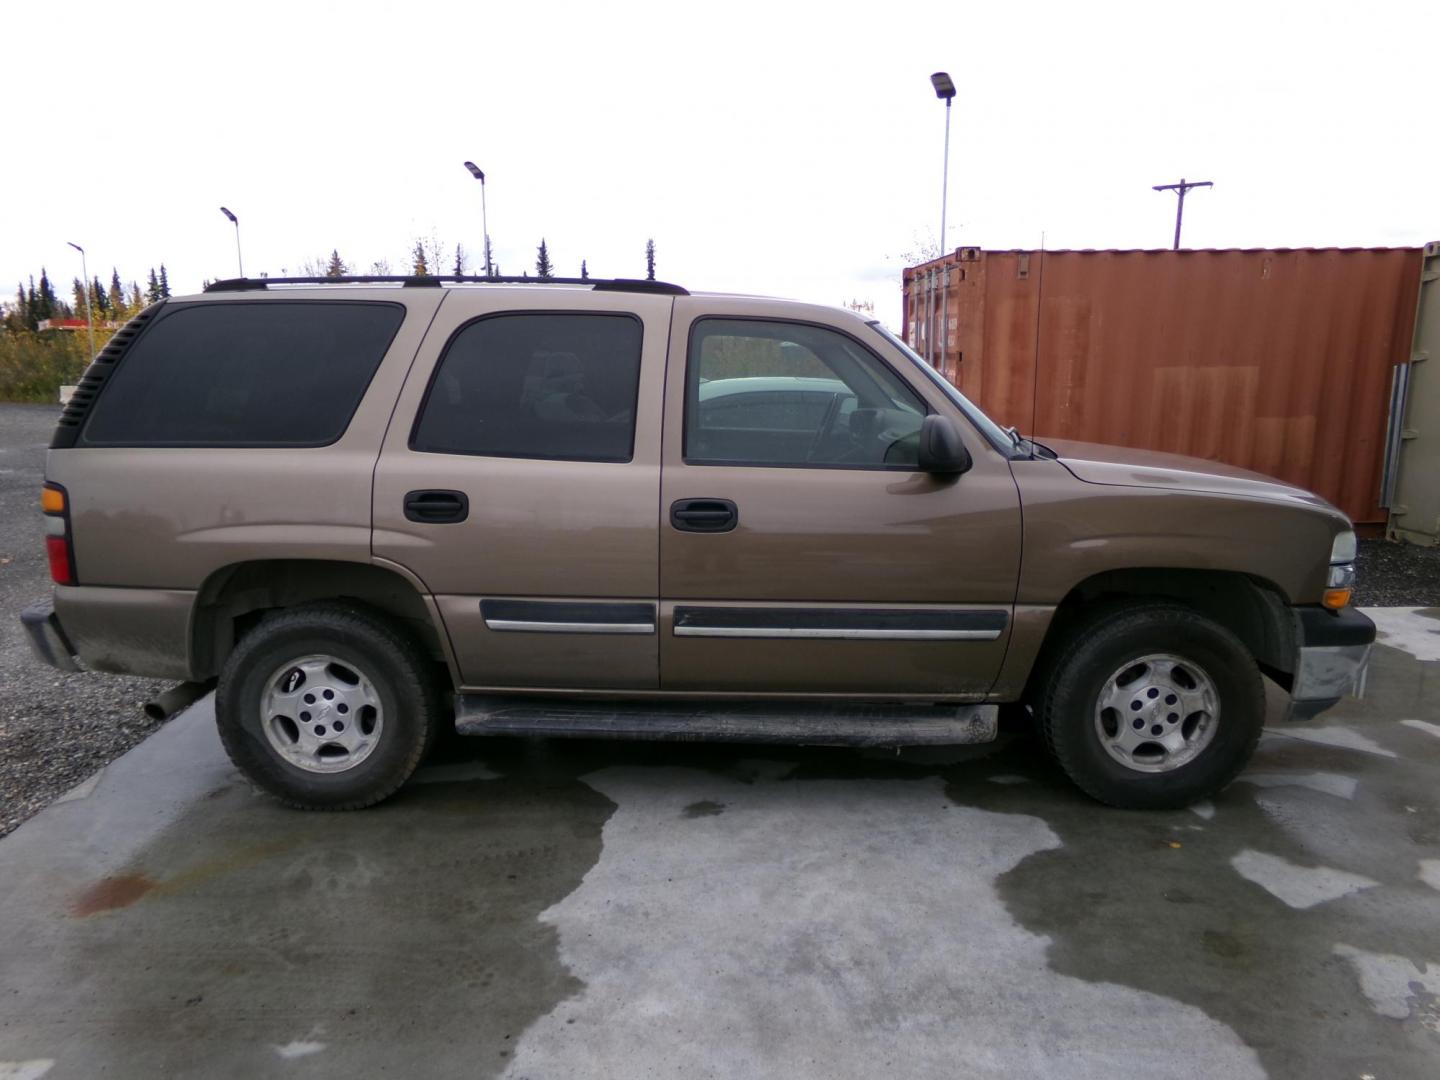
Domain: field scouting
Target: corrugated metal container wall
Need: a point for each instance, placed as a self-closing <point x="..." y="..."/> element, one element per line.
<point x="1278" y="361"/>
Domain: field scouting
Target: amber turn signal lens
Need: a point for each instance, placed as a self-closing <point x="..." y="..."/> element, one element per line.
<point x="52" y="500"/>
<point x="1336" y="598"/>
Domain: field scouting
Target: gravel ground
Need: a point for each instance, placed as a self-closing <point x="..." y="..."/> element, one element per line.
<point x="55" y="729"/>
<point x="1397" y="575"/>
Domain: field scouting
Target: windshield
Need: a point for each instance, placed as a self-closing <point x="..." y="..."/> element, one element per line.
<point x="998" y="436"/>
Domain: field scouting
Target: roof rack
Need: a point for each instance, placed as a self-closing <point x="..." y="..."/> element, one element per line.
<point x="434" y="281"/>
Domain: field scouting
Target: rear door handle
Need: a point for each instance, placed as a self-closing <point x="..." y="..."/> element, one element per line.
<point x="436" y="507"/>
<point x="704" y="515"/>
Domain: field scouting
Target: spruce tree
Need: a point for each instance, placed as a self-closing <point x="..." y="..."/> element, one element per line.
<point x="117" y="292"/>
<point x="98" y="297"/>
<point x="164" y="281"/>
<point x="459" y="260"/>
<point x="77" y="295"/>
<point x="336" y="266"/>
<point x="584" y="271"/>
<point x="650" y="260"/>
<point x="542" y="261"/>
<point x="45" y="298"/>
<point x="417" y="257"/>
<point x="152" y="289"/>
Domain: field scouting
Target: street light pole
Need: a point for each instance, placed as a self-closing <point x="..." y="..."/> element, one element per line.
<point x="239" y="262"/>
<point x="478" y="174"/>
<point x="945" y="91"/>
<point x="89" y="318"/>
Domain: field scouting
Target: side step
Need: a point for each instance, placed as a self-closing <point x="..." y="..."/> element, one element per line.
<point x="811" y="723"/>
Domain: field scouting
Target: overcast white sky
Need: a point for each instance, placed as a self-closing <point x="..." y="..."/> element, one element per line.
<point x="773" y="148"/>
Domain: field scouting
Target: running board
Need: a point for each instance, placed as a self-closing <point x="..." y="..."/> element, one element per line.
<point x="810" y="723"/>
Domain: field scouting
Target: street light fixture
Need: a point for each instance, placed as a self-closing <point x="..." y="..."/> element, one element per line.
<point x="89" y="318"/>
<point x="240" y="263"/>
<point x="479" y="174"/>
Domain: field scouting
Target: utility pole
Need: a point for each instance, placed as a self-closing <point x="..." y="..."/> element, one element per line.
<point x="1180" y="189"/>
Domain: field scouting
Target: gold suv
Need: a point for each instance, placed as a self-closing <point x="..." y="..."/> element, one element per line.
<point x="368" y="508"/>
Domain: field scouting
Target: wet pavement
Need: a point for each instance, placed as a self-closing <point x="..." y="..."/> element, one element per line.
<point x="550" y="909"/>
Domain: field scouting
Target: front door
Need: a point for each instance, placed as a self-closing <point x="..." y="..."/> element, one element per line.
<point x="519" y="481"/>
<point x="800" y="549"/>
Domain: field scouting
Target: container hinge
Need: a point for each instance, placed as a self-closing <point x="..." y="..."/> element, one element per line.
<point x="1419" y="355"/>
<point x="1409" y="433"/>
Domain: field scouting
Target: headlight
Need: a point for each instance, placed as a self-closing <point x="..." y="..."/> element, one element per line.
<point x="1340" y="583"/>
<point x="1344" y="549"/>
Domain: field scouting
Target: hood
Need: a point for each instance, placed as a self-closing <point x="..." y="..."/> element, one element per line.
<point x="1125" y="466"/>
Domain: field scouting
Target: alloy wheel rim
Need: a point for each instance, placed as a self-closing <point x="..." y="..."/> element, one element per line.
<point x="321" y="714"/>
<point x="1157" y="713"/>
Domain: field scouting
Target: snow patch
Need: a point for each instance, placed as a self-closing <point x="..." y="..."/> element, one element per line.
<point x="1334" y="735"/>
<point x="1327" y="783"/>
<point x="1430" y="873"/>
<point x="1423" y="725"/>
<point x="299" y="1048"/>
<point x="1205" y="808"/>
<point x="804" y="931"/>
<point x="1297" y="886"/>
<point x="1408" y="630"/>
<point x="26" y="1070"/>
<point x="1396" y="987"/>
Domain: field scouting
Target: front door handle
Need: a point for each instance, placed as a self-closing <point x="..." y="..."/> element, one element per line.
<point x="704" y="515"/>
<point x="435" y="507"/>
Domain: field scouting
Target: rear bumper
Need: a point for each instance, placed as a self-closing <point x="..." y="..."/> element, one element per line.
<point x="47" y="640"/>
<point x="1332" y="654"/>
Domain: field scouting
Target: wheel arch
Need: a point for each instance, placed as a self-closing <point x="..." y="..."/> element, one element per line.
<point x="235" y="597"/>
<point x="1252" y="608"/>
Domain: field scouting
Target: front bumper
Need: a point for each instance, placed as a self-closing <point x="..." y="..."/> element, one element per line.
<point x="47" y="641"/>
<point x="1331" y="657"/>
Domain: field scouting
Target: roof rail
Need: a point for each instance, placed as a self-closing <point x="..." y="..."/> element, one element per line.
<point x="436" y="280"/>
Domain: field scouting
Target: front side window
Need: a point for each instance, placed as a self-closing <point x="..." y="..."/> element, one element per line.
<point x="791" y="394"/>
<point x="559" y="386"/>
<point x="264" y="373"/>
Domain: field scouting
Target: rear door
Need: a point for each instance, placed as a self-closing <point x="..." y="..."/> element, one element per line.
<point x="520" y="479"/>
<point x="801" y="550"/>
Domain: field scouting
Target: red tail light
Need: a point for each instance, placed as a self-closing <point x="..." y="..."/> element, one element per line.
<point x="59" y="544"/>
<point x="58" y="548"/>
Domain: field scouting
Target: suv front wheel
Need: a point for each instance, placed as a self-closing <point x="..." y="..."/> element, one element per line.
<point x="327" y="707"/>
<point x="1152" y="706"/>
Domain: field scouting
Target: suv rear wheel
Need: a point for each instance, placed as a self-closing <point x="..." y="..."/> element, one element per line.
<point x="327" y="707"/>
<point x="1152" y="706"/>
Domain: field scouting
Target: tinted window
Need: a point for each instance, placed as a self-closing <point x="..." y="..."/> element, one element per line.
<point x="774" y="393"/>
<point x="272" y="373"/>
<point x="536" y="386"/>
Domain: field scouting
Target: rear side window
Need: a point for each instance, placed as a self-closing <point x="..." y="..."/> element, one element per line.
<point x="269" y="373"/>
<point x="559" y="386"/>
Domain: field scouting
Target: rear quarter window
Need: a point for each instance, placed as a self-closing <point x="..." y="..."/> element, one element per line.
<point x="286" y="373"/>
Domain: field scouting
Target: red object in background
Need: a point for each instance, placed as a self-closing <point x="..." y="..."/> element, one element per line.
<point x="61" y="569"/>
<point x="1277" y="360"/>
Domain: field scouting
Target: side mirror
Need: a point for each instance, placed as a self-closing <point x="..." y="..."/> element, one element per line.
<point x="941" y="449"/>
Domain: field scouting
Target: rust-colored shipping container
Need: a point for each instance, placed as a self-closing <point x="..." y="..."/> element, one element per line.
<point x="1274" y="360"/>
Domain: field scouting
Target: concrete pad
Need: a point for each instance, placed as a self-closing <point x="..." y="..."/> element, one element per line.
<point x="541" y="908"/>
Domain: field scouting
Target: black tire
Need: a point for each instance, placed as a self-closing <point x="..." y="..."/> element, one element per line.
<point x="398" y="670"/>
<point x="1097" y="648"/>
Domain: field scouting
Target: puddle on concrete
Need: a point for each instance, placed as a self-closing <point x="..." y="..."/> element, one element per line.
<point x="1106" y="896"/>
<point x="374" y="941"/>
